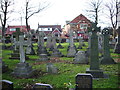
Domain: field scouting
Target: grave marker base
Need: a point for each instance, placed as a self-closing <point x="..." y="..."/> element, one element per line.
<point x="96" y="73"/>
<point x="23" y="70"/>
<point x="107" y="61"/>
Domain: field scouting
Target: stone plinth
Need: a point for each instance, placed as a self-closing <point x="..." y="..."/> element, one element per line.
<point x="43" y="57"/>
<point x="96" y="73"/>
<point x="56" y="53"/>
<point x="80" y="58"/>
<point x="23" y="70"/>
<point x="71" y="52"/>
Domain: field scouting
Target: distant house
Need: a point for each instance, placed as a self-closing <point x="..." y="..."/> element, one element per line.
<point x="81" y="24"/>
<point x="11" y="29"/>
<point x="50" y="29"/>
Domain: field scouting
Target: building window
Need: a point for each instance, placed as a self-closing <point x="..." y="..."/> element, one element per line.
<point x="12" y="29"/>
<point x="83" y="26"/>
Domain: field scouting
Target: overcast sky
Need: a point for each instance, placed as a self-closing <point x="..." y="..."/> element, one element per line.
<point x="57" y="12"/>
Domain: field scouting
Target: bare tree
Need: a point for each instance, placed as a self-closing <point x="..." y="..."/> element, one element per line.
<point x="113" y="9"/>
<point x="94" y="10"/>
<point x="32" y="10"/>
<point x="5" y="4"/>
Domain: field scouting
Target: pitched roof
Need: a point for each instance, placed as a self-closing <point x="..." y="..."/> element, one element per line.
<point x="80" y="18"/>
<point x="22" y="28"/>
<point x="50" y="26"/>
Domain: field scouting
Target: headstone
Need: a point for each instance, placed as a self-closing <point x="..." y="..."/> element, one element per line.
<point x="60" y="46"/>
<point x="12" y="41"/>
<point x="22" y="70"/>
<point x="4" y="67"/>
<point x="112" y="43"/>
<point x="100" y="41"/>
<point x="80" y="42"/>
<point x="43" y="57"/>
<point x="94" y="56"/>
<point x="29" y="49"/>
<point x="49" y="40"/>
<point x="56" y="52"/>
<point x="106" y="59"/>
<point x="7" y="85"/>
<point x="15" y="54"/>
<point x="17" y="33"/>
<point x="80" y="58"/>
<point x="41" y="48"/>
<point x="71" y="51"/>
<point x="117" y="46"/>
<point x="3" y="43"/>
<point x="87" y="52"/>
<point x="41" y="86"/>
<point x="83" y="81"/>
<point x="51" y="68"/>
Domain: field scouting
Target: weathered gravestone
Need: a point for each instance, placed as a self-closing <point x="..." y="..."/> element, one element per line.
<point x="117" y="46"/>
<point x="80" y="42"/>
<point x="41" y="86"/>
<point x="22" y="70"/>
<point x="94" y="56"/>
<point x="43" y="57"/>
<point x="49" y="41"/>
<point x="89" y="43"/>
<point x="83" y="81"/>
<point x="80" y="58"/>
<point x="41" y="48"/>
<point x="3" y="67"/>
<point x="15" y="54"/>
<point x="60" y="46"/>
<point x="29" y="49"/>
<point x="3" y="43"/>
<point x="51" y="68"/>
<point x="12" y="41"/>
<point x="56" y="52"/>
<point x="71" y="51"/>
<point x="7" y="85"/>
<point x="100" y="41"/>
<point x="107" y="59"/>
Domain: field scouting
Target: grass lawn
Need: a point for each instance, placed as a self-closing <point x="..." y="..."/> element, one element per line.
<point x="67" y="71"/>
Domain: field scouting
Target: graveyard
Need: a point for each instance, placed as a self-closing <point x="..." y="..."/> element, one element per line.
<point x="52" y="50"/>
<point x="67" y="69"/>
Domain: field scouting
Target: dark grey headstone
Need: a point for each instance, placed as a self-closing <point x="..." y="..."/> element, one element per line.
<point x="83" y="81"/>
<point x="107" y="59"/>
<point x="40" y="86"/>
<point x="7" y="85"/>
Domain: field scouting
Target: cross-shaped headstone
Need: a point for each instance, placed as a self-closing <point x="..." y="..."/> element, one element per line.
<point x="17" y="33"/>
<point x="20" y="43"/>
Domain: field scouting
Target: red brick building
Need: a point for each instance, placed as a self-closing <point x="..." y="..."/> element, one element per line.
<point x="81" y="24"/>
<point x="11" y="29"/>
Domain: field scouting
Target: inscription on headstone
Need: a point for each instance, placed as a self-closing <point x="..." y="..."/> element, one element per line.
<point x="83" y="81"/>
